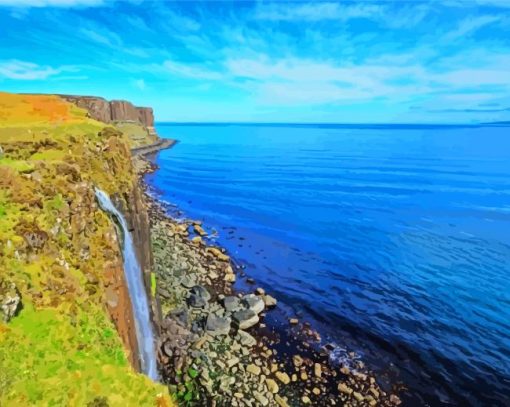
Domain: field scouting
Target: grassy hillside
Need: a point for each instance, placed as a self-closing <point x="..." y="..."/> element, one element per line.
<point x="58" y="252"/>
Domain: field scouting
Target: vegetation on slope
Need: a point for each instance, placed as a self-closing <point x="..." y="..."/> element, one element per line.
<point x="58" y="346"/>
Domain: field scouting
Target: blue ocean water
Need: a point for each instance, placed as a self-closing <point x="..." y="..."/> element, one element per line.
<point x="393" y="240"/>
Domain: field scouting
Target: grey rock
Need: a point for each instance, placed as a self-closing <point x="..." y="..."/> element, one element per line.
<point x="187" y="282"/>
<point x="231" y="304"/>
<point x="253" y="303"/>
<point x="199" y="297"/>
<point x="245" y="318"/>
<point x="246" y="339"/>
<point x="181" y="316"/>
<point x="218" y="325"/>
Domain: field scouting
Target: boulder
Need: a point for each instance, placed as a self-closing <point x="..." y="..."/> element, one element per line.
<point x="218" y="325"/>
<point x="245" y="319"/>
<point x="231" y="304"/>
<point x="269" y="301"/>
<point x="253" y="303"/>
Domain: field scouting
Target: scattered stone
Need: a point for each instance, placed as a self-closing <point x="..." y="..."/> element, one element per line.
<point x="197" y="240"/>
<point x="229" y="278"/>
<point x="260" y="398"/>
<point x="316" y="391"/>
<point x="245" y="318"/>
<point x="218" y="254"/>
<point x="395" y="400"/>
<point x="231" y="304"/>
<point x="246" y="339"/>
<point x="283" y="377"/>
<point x="298" y="360"/>
<point x="304" y="376"/>
<point x="253" y="369"/>
<point x="280" y="401"/>
<point x="342" y="388"/>
<point x="317" y="369"/>
<point x="345" y="370"/>
<point x="260" y="291"/>
<point x="306" y="400"/>
<point x="293" y="321"/>
<point x="199" y="297"/>
<point x="269" y="301"/>
<point x="199" y="231"/>
<point x="253" y="303"/>
<point x="232" y="362"/>
<point x="374" y="392"/>
<point x="358" y="396"/>
<point x="218" y="325"/>
<point x="272" y="386"/>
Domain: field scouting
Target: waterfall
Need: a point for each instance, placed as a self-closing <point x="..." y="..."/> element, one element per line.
<point x="137" y="292"/>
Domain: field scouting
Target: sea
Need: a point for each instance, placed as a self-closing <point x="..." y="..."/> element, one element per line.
<point x="393" y="241"/>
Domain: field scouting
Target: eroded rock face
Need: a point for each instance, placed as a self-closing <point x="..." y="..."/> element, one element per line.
<point x="116" y="110"/>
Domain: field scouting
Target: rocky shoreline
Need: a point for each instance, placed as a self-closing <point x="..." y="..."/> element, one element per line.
<point x="214" y="348"/>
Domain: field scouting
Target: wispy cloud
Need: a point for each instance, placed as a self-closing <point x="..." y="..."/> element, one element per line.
<point x="471" y="25"/>
<point x="51" y="3"/>
<point x="28" y="71"/>
<point x="316" y="11"/>
<point x="189" y="70"/>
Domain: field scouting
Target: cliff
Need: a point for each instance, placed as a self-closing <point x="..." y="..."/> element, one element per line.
<point x="67" y="331"/>
<point x="113" y="111"/>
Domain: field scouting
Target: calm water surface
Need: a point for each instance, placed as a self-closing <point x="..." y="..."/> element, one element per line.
<point x="395" y="241"/>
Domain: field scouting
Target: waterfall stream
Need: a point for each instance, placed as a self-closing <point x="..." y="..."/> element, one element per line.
<point x="137" y="292"/>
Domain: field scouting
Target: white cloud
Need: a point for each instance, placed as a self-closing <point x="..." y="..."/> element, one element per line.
<point x="21" y="70"/>
<point x="190" y="71"/>
<point x="140" y="84"/>
<point x="51" y="3"/>
<point x="470" y="26"/>
<point x="316" y="11"/>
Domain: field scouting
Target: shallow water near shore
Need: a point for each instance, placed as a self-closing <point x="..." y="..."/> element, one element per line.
<point x="392" y="240"/>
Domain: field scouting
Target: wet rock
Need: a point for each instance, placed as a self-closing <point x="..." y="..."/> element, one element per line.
<point x="199" y="231"/>
<point x="199" y="297"/>
<point x="260" y="291"/>
<point x="218" y="253"/>
<point x="218" y="325"/>
<point x="306" y="400"/>
<point x="395" y="400"/>
<point x="293" y="321"/>
<point x="10" y="300"/>
<point x="253" y="303"/>
<point x="269" y="301"/>
<point x="231" y="304"/>
<point x="245" y="319"/>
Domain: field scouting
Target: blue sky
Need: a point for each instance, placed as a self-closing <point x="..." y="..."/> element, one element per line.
<point x="343" y="62"/>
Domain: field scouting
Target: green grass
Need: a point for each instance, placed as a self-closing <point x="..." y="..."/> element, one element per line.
<point x="56" y="357"/>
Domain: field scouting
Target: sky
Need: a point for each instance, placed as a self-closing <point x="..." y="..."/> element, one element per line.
<point x="437" y="61"/>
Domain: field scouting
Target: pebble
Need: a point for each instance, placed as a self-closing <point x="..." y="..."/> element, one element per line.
<point x="253" y="369"/>
<point x="306" y="400"/>
<point x="281" y="401"/>
<point x="358" y="396"/>
<point x="342" y="388"/>
<point x="293" y="321"/>
<point x="316" y="391"/>
<point x="317" y="369"/>
<point x="298" y="360"/>
<point x="272" y="386"/>
<point x="283" y="377"/>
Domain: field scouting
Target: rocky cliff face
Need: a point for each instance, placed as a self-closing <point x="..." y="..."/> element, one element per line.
<point x="111" y="111"/>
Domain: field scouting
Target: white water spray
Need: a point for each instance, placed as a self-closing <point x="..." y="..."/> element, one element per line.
<point x="137" y="293"/>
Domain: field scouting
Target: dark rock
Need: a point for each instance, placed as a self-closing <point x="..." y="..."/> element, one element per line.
<point x="199" y="297"/>
<point x="181" y="316"/>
